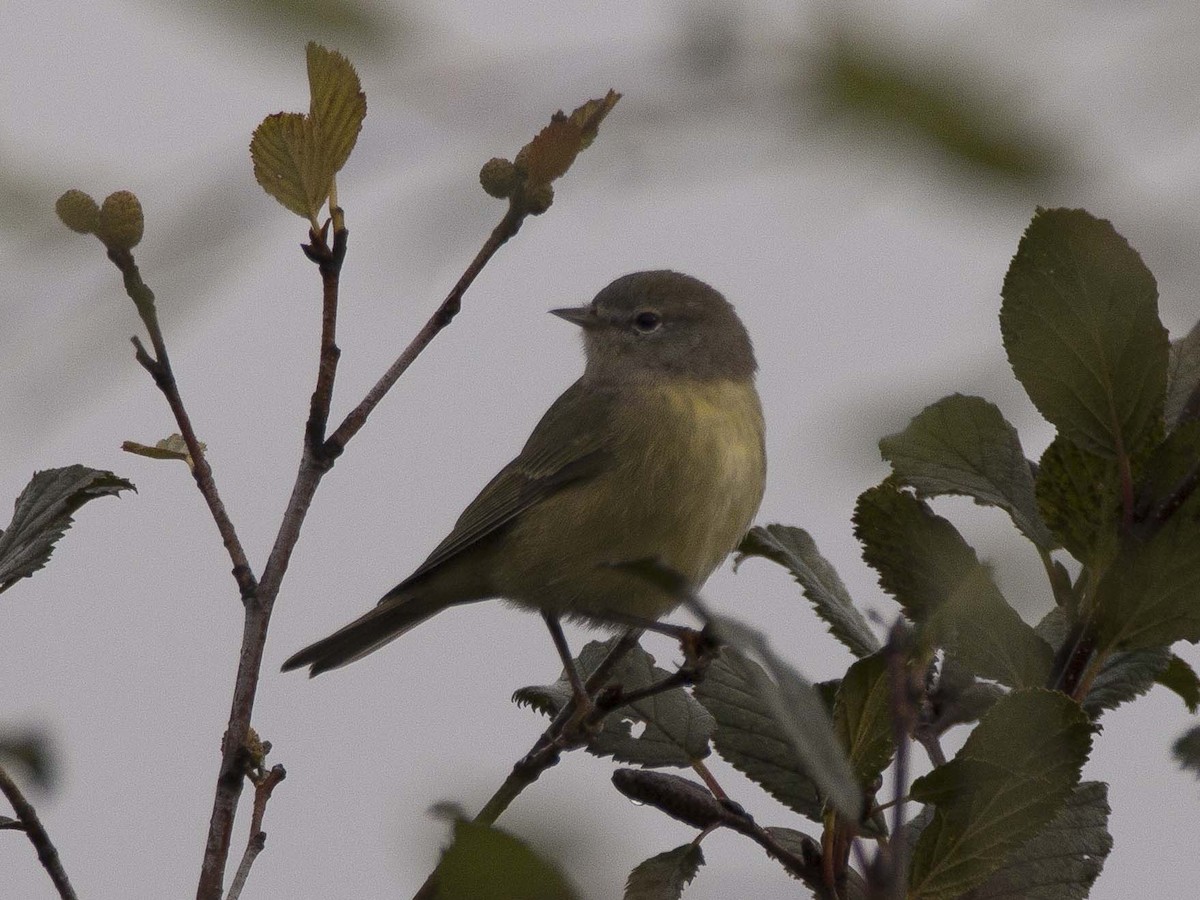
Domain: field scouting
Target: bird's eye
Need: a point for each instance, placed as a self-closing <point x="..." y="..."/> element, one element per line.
<point x="647" y="321"/>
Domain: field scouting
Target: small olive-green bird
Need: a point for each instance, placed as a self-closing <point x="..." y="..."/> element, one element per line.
<point x="656" y="452"/>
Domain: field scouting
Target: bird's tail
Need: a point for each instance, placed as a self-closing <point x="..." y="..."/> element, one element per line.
<point x="391" y="618"/>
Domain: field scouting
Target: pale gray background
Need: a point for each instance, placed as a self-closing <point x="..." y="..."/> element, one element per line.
<point x="866" y="265"/>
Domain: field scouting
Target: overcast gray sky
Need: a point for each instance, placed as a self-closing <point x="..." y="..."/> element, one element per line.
<point x="866" y="265"/>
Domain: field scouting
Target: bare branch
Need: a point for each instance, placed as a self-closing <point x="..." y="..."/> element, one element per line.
<point x="47" y="854"/>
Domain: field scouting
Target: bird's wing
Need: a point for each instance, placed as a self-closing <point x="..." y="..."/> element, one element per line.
<point x="571" y="442"/>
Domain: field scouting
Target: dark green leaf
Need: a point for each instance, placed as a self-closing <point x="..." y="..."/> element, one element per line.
<point x="1187" y="750"/>
<point x="1183" y="377"/>
<point x="795" y="550"/>
<point x="1150" y="595"/>
<point x="663" y="877"/>
<point x="677" y="727"/>
<point x="1167" y="478"/>
<point x="749" y="739"/>
<point x="934" y="574"/>
<point x="963" y="445"/>
<point x="1124" y="677"/>
<point x="958" y="697"/>
<point x="794" y="707"/>
<point x="1181" y="678"/>
<point x="485" y="863"/>
<point x="1010" y="778"/>
<point x="42" y="514"/>
<point x="1064" y="859"/>
<point x="1079" y="495"/>
<point x="862" y="718"/>
<point x="1080" y="324"/>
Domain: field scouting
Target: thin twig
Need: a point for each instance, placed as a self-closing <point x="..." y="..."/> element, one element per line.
<point x="258" y="838"/>
<point x="504" y="230"/>
<point x="47" y="854"/>
<point x="159" y="367"/>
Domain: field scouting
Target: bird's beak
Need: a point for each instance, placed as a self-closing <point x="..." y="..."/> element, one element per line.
<point x="583" y="316"/>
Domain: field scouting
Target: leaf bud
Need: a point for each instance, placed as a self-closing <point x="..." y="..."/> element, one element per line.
<point x="499" y="177"/>
<point x="121" y="224"/>
<point x="78" y="211"/>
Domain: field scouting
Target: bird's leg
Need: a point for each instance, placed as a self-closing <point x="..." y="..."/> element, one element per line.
<point x="583" y="703"/>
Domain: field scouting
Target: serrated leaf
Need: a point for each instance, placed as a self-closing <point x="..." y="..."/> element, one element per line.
<point x="42" y="515"/>
<point x="963" y="445"/>
<point x="934" y="574"/>
<point x="485" y="863"/>
<point x="795" y="550"/>
<point x="291" y="164"/>
<point x="338" y="104"/>
<point x="663" y="877"/>
<point x="1150" y="595"/>
<point x="958" y="697"/>
<point x="919" y="555"/>
<point x="1124" y="677"/>
<point x="749" y="739"/>
<point x="1183" y="376"/>
<point x="862" y="718"/>
<point x="1181" y="678"/>
<point x="1080" y="325"/>
<point x="776" y="728"/>
<point x="1079" y="496"/>
<point x="1187" y="750"/>
<point x="172" y="447"/>
<point x="1010" y="778"/>
<point x="550" y="154"/>
<point x="1064" y="859"/>
<point x="677" y="728"/>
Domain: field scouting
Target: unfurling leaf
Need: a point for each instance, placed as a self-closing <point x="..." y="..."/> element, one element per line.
<point x="43" y="514"/>
<point x="550" y="154"/>
<point x="172" y="447"/>
<point x="1080" y="325"/>
<point x="794" y="549"/>
<point x="963" y="445"/>
<point x="290" y="164"/>
<point x="338" y="104"/>
<point x="1181" y="678"/>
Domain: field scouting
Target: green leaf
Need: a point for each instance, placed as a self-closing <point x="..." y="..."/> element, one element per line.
<point x="958" y="697"/>
<point x="749" y="738"/>
<point x="290" y="163"/>
<point x="42" y="515"/>
<point x="663" y="877"/>
<point x="338" y="105"/>
<point x="934" y="574"/>
<point x="1064" y="859"/>
<point x="1181" y="678"/>
<point x="1079" y="495"/>
<point x="795" y="550"/>
<point x="794" y="707"/>
<point x="1150" y="595"/>
<point x="1080" y="324"/>
<point x="485" y="863"/>
<point x="1167" y="478"/>
<point x="677" y="728"/>
<point x="1009" y="780"/>
<point x="920" y="557"/>
<point x="1183" y="376"/>
<point x="963" y="445"/>
<point x="862" y="718"/>
<point x="1124" y="677"/>
<point x="1187" y="750"/>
